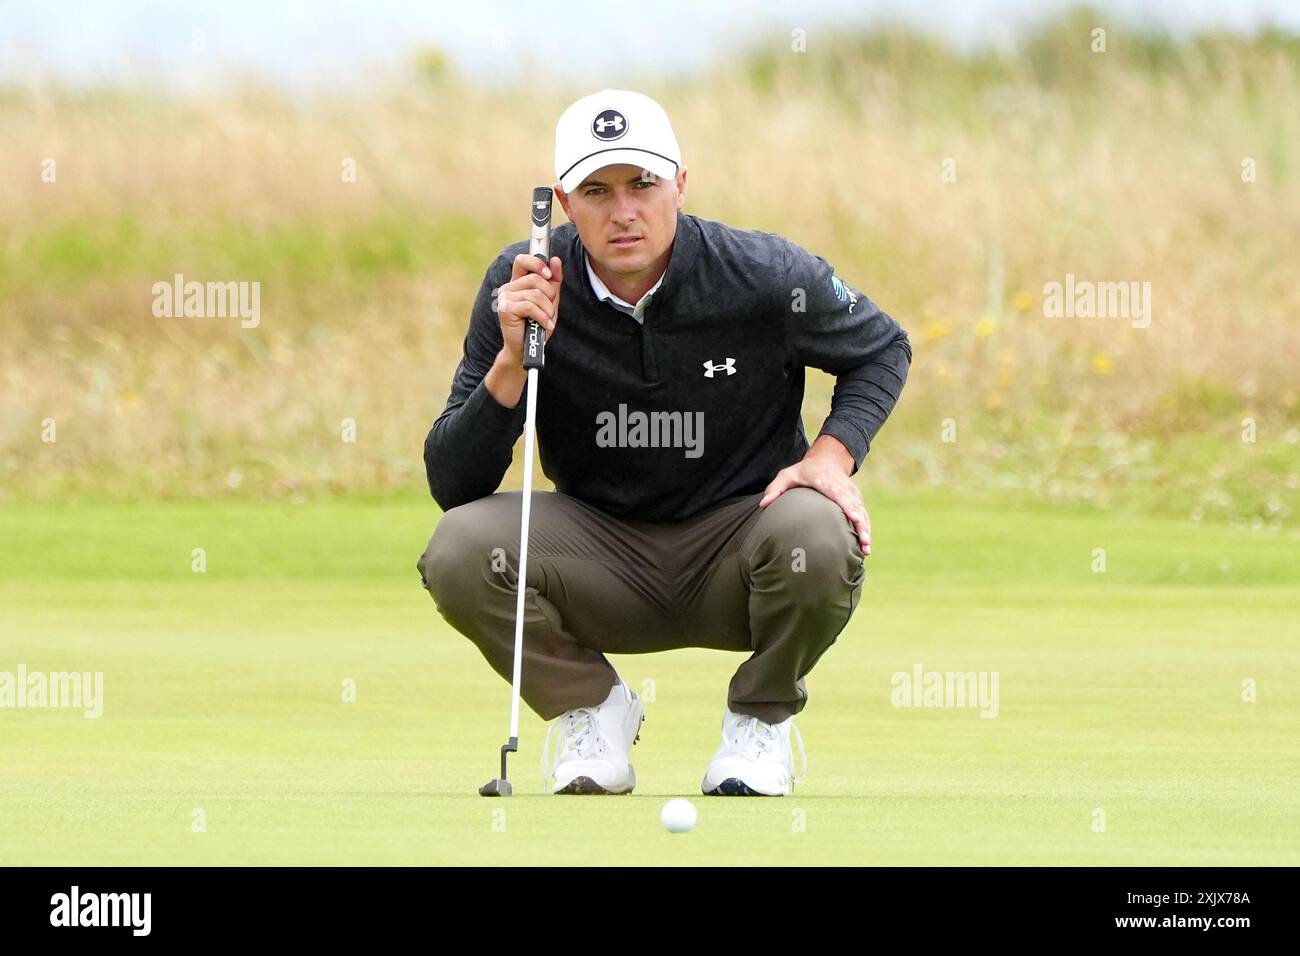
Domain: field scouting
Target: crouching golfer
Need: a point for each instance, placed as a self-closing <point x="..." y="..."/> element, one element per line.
<point x="690" y="510"/>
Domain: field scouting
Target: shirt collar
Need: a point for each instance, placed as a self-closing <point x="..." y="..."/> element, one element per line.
<point x="603" y="293"/>
<point x="686" y="246"/>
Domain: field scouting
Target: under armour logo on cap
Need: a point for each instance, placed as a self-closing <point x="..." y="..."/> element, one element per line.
<point x="614" y="128"/>
<point x="729" y="366"/>
<point x="611" y="124"/>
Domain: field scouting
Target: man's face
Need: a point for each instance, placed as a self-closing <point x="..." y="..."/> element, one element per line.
<point x="626" y="216"/>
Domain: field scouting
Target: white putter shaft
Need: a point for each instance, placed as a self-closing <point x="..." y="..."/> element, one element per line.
<point x="523" y="549"/>
<point x="534" y="357"/>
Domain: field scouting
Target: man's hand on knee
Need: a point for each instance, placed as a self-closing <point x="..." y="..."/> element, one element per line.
<point x="826" y="469"/>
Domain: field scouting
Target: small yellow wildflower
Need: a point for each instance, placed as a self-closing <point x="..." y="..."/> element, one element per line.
<point x="936" y="329"/>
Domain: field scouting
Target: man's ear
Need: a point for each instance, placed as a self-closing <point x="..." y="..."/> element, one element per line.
<point x="563" y="197"/>
<point x="681" y="187"/>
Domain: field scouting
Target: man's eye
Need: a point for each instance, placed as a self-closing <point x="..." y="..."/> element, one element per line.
<point x="593" y="190"/>
<point x="645" y="182"/>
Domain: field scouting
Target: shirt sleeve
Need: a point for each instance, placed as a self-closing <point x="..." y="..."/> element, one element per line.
<point x="836" y="328"/>
<point x="471" y="444"/>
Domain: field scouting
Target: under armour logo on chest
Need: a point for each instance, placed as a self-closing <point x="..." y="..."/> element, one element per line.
<point x="729" y="366"/>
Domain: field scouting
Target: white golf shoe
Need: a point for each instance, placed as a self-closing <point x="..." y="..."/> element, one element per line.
<point x="594" y="745"/>
<point x="755" y="759"/>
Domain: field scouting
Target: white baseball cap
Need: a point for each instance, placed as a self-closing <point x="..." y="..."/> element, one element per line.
<point x="609" y="127"/>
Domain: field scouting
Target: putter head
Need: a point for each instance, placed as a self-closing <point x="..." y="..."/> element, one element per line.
<point x="500" y="787"/>
<point x="495" y="788"/>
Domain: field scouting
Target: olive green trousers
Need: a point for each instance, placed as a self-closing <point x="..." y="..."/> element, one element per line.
<point x="778" y="583"/>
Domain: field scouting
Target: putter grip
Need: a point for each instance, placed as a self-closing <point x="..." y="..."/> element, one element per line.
<point x="539" y="244"/>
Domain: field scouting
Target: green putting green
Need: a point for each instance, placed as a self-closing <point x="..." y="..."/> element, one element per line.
<point x="1121" y="734"/>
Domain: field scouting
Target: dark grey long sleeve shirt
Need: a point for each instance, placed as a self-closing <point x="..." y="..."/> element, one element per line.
<point x="699" y="402"/>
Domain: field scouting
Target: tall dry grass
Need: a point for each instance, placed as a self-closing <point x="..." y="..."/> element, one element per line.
<point x="1119" y="166"/>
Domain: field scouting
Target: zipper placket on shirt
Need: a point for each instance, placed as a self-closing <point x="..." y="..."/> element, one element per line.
<point x="649" y="364"/>
<point x="649" y="367"/>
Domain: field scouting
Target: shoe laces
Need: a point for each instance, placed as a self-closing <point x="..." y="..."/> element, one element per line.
<point x="755" y="738"/>
<point x="579" y="733"/>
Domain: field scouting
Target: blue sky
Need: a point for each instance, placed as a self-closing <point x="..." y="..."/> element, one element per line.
<point x="330" y="42"/>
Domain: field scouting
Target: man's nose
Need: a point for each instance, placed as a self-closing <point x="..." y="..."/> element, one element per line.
<point x="624" y="208"/>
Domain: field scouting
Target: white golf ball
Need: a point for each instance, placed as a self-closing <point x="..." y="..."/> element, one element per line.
<point x="678" y="815"/>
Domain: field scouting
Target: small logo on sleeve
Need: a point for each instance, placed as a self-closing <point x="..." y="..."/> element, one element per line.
<point x="729" y="366"/>
<point x="843" y="292"/>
